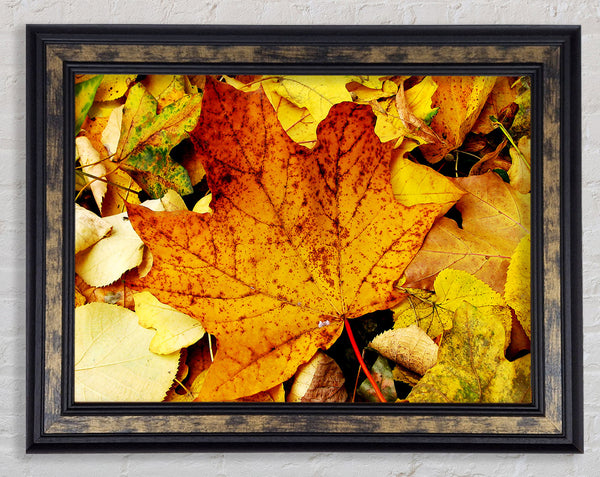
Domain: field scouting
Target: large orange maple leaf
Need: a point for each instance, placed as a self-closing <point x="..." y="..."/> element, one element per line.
<point x="299" y="239"/>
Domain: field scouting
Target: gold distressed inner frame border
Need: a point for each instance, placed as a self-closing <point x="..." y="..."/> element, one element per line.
<point x="53" y="416"/>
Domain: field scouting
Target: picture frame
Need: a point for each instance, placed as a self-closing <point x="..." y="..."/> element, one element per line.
<point x="553" y="422"/>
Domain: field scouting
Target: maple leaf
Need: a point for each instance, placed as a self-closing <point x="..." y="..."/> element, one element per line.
<point x="471" y="365"/>
<point x="298" y="240"/>
<point x="494" y="219"/>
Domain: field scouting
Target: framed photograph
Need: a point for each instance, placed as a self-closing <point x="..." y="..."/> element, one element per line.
<point x="304" y="238"/>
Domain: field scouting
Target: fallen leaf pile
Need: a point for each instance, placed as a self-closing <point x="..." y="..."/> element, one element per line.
<point x="230" y="229"/>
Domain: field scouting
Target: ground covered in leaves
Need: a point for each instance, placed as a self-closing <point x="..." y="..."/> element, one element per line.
<point x="302" y="238"/>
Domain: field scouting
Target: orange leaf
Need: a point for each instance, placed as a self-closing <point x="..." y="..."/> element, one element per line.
<point x="298" y="240"/>
<point x="494" y="219"/>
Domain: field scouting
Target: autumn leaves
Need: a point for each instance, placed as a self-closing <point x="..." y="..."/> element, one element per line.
<point x="307" y="227"/>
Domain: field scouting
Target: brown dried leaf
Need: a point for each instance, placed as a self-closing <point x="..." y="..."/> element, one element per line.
<point x="319" y="380"/>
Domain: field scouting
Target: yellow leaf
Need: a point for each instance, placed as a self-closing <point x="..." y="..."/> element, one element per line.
<point x="365" y="94"/>
<point x="112" y="360"/>
<point x="315" y="93"/>
<point x="174" y="330"/>
<point x="434" y="313"/>
<point x="275" y="394"/>
<point x="203" y="205"/>
<point x="518" y="284"/>
<point x="89" y="228"/>
<point x="192" y="390"/>
<point x="520" y="170"/>
<point x="472" y="367"/>
<point x="103" y="109"/>
<point x="460" y="99"/>
<point x="109" y="258"/>
<point x="165" y="88"/>
<point x="121" y="187"/>
<point x="419" y="99"/>
<point x="113" y="87"/>
<point x="418" y="184"/>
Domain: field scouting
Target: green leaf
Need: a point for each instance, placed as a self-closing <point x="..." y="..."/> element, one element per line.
<point x="147" y="140"/>
<point x="382" y="373"/>
<point x="84" y="98"/>
<point x="471" y="365"/>
<point x="502" y="173"/>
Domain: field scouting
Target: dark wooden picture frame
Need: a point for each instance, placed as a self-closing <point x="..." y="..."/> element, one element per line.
<point x="553" y="422"/>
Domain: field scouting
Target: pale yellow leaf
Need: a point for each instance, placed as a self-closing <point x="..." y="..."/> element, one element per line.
<point x="109" y="258"/>
<point x="112" y="360"/>
<point x="172" y="201"/>
<point x="174" y="330"/>
<point x="112" y="131"/>
<point x="203" y="205"/>
<point x="89" y="228"/>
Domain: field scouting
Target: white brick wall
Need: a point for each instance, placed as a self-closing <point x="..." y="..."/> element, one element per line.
<point x="14" y="14"/>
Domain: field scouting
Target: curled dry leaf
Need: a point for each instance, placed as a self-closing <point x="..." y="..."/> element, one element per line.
<point x="114" y="294"/>
<point x="89" y="228"/>
<point x="405" y="113"/>
<point x="319" y="380"/>
<point x="410" y="347"/>
<point x="93" y="168"/>
<point x="502" y="95"/>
